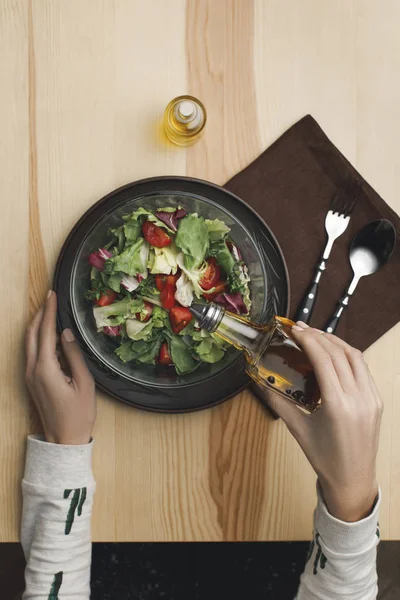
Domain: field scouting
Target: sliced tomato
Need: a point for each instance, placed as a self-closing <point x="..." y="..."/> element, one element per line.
<point x="164" y="358"/>
<point x="155" y="235"/>
<point x="139" y="277"/>
<point x="211" y="276"/>
<point x="167" y="297"/>
<point x="172" y="279"/>
<point x="106" y="298"/>
<point x="145" y="314"/>
<point x="163" y="280"/>
<point x="220" y="288"/>
<point x="160" y="282"/>
<point x="179" y="317"/>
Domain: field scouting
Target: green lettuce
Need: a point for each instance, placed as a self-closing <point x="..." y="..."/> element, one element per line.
<point x="217" y="229"/>
<point x="163" y="260"/>
<point x="209" y="350"/>
<point x="180" y="354"/>
<point x="223" y="256"/>
<point x="192" y="239"/>
<point x="118" y="239"/>
<point x="132" y="230"/>
<point x="137" y="330"/>
<point x="140" y="351"/>
<point x="114" y="281"/>
<point x="194" y="274"/>
<point x="116" y="313"/>
<point x="132" y="260"/>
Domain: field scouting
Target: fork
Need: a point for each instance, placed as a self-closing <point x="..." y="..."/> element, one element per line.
<point x="336" y="222"/>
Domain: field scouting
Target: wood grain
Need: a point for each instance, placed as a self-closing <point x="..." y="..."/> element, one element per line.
<point x="84" y="86"/>
<point x="14" y="224"/>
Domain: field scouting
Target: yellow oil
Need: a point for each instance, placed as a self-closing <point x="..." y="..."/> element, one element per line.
<point x="184" y="120"/>
<point x="274" y="360"/>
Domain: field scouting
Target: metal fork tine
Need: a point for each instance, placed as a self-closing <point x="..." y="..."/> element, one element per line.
<point x="355" y="192"/>
<point x="345" y="198"/>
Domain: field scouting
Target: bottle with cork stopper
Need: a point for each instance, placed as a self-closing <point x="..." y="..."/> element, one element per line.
<point x="184" y="120"/>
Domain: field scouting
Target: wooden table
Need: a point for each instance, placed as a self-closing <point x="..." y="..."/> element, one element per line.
<point x="83" y="88"/>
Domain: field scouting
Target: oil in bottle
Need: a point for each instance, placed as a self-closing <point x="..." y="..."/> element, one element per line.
<point x="184" y="120"/>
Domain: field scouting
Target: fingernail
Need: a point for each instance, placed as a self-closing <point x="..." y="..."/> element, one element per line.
<point x="49" y="293"/>
<point x="297" y="328"/>
<point x="68" y="335"/>
<point x="302" y="324"/>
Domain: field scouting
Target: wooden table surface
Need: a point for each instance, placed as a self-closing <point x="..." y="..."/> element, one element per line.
<point x="83" y="88"/>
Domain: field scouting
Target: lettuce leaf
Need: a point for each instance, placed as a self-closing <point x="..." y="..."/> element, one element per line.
<point x="132" y="231"/>
<point x="209" y="351"/>
<point x="140" y="351"/>
<point x="118" y="239"/>
<point x="163" y="260"/>
<point x="184" y="290"/>
<point x="116" y="313"/>
<point x="223" y="256"/>
<point x="192" y="239"/>
<point x="180" y="354"/>
<point x="217" y="229"/>
<point x="194" y="274"/>
<point x="132" y="260"/>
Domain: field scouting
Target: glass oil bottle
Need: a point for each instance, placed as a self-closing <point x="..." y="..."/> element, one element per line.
<point x="184" y="120"/>
<point x="273" y="358"/>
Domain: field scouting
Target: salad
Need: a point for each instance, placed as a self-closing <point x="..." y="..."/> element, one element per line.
<point x="146" y="277"/>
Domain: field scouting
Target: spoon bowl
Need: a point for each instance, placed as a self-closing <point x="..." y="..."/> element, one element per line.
<point x="370" y="249"/>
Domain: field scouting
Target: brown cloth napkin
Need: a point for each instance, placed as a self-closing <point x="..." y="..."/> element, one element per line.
<point x="291" y="186"/>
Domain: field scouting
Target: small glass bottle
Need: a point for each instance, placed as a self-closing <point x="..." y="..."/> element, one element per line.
<point x="274" y="359"/>
<point x="184" y="120"/>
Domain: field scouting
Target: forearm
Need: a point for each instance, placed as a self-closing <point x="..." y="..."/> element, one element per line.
<point x="342" y="558"/>
<point x="58" y="490"/>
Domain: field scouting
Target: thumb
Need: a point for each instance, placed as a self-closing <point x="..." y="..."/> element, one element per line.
<point x="79" y="371"/>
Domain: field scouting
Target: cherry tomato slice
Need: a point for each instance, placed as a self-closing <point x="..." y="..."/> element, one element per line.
<point x="179" y="317"/>
<point x="167" y="297"/>
<point x="145" y="314"/>
<point x="163" y="280"/>
<point x="220" y="288"/>
<point x="211" y="276"/>
<point x="106" y="298"/>
<point x="164" y="358"/>
<point x="155" y="235"/>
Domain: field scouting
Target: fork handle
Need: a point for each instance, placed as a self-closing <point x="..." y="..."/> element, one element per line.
<point x="306" y="306"/>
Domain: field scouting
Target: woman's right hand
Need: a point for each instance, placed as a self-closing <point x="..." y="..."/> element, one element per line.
<point x="341" y="438"/>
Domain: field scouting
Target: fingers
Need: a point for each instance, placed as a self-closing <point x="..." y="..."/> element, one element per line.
<point x="310" y="341"/>
<point x="32" y="342"/>
<point x="48" y="336"/>
<point x="79" y="371"/>
<point x="354" y="356"/>
<point x="340" y="363"/>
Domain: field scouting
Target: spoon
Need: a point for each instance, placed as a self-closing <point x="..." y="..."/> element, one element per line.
<point x="370" y="249"/>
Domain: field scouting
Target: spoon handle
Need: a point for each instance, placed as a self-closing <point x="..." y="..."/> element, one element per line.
<point x="333" y="322"/>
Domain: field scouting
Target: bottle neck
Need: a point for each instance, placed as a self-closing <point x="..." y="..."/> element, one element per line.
<point x="243" y="334"/>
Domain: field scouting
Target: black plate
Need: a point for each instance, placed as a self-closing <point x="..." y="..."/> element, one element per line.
<point x="146" y="387"/>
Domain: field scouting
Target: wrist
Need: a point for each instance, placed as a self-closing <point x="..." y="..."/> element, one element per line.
<point x="67" y="440"/>
<point x="350" y="504"/>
